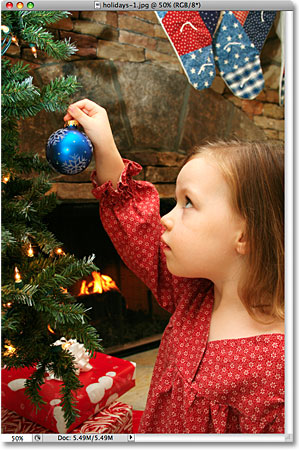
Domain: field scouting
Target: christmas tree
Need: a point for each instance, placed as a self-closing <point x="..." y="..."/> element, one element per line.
<point x="37" y="309"/>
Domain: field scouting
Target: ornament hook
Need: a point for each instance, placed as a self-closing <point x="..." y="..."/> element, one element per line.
<point x="71" y="123"/>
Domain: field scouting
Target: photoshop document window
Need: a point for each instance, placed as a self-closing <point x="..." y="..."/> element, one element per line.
<point x="147" y="222"/>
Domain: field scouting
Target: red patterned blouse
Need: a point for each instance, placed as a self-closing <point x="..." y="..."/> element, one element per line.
<point x="223" y="386"/>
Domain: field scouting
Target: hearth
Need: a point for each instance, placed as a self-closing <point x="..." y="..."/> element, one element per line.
<point x="123" y="310"/>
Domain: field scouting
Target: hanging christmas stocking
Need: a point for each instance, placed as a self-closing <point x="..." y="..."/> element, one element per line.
<point x="237" y="45"/>
<point x="190" y="34"/>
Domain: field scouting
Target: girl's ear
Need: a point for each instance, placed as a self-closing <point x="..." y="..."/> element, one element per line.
<point x="242" y="245"/>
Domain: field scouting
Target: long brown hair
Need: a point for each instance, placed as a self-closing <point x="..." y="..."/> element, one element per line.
<point x="254" y="172"/>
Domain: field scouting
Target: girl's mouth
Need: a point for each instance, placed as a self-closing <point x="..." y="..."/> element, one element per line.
<point x="164" y="245"/>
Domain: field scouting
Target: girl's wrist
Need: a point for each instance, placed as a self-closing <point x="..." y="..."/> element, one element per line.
<point x="105" y="152"/>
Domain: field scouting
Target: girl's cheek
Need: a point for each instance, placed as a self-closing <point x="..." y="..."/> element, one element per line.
<point x="188" y="216"/>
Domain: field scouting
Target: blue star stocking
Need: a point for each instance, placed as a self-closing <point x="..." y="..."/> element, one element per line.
<point x="237" y="45"/>
<point x="190" y="33"/>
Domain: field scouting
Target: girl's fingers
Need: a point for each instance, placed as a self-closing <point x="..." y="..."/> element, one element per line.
<point x="67" y="117"/>
<point x="84" y="106"/>
<point x="88" y="106"/>
<point x="77" y="113"/>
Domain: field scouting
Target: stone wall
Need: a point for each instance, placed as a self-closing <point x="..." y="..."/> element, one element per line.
<point x="126" y="63"/>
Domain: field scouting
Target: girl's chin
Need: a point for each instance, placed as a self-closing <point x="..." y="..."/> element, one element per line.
<point x="177" y="272"/>
<point x="174" y="271"/>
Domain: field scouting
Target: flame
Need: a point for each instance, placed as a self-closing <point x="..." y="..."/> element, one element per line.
<point x="100" y="283"/>
<point x="18" y="278"/>
<point x="50" y="329"/>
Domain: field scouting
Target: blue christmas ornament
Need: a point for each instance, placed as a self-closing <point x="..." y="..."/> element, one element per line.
<point x="68" y="150"/>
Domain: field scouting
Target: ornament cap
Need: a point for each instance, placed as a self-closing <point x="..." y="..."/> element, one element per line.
<point x="71" y="123"/>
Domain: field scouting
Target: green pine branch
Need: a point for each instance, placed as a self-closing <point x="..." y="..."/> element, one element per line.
<point x="46" y="240"/>
<point x="64" y="368"/>
<point x="88" y="335"/>
<point x="43" y="17"/>
<point x="33" y="386"/>
<point x="44" y="40"/>
<point x="41" y="300"/>
<point x="55" y="95"/>
<point x="10" y="137"/>
<point x="17" y="72"/>
<point x="7" y="240"/>
<point x="16" y="96"/>
<point x="29" y="162"/>
<point x="23" y="295"/>
<point x="65" y="271"/>
<point x="16" y="233"/>
<point x="65" y="315"/>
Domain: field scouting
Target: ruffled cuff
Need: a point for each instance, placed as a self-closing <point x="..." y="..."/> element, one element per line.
<point x="125" y="184"/>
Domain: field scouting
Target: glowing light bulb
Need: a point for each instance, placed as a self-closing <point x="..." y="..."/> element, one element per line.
<point x="10" y="349"/>
<point x="5" y="178"/>
<point x="30" y="251"/>
<point x="15" y="40"/>
<point x="5" y="29"/>
<point x="20" y="5"/>
<point x="18" y="278"/>
<point x="59" y="251"/>
<point x="34" y="51"/>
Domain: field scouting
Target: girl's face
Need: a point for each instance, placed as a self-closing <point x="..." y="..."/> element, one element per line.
<point x="203" y="232"/>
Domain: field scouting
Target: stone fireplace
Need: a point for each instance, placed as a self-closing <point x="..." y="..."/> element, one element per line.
<point x="123" y="309"/>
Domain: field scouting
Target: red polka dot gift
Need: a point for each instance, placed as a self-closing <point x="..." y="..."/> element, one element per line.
<point x="117" y="418"/>
<point x="103" y="382"/>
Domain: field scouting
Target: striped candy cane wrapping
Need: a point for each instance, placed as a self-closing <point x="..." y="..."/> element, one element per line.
<point x="12" y="423"/>
<point x="116" y="418"/>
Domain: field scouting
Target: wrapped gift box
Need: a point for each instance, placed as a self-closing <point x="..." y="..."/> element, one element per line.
<point x="109" y="378"/>
<point x="114" y="419"/>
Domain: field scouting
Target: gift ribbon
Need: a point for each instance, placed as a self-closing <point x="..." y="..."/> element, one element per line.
<point x="79" y="352"/>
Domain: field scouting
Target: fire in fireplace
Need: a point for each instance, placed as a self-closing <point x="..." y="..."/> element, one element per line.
<point x="99" y="284"/>
<point x="122" y="308"/>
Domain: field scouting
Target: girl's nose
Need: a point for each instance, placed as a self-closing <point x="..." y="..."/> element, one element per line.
<point x="167" y="221"/>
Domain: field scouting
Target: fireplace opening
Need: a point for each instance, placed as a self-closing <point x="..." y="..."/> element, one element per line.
<point x="122" y="309"/>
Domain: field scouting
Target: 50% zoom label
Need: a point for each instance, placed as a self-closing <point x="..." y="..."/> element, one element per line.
<point x="17" y="438"/>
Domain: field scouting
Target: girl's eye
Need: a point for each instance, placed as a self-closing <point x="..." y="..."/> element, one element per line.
<point x="188" y="203"/>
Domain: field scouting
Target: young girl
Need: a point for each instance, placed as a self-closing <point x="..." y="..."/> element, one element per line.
<point x="216" y="262"/>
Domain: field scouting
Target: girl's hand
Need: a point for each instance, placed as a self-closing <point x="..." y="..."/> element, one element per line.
<point x="94" y="120"/>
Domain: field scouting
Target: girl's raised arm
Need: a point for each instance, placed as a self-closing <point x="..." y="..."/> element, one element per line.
<point x="129" y="209"/>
